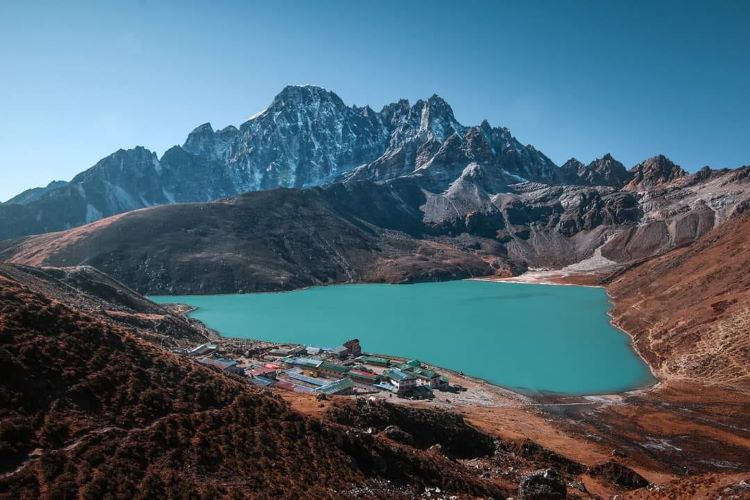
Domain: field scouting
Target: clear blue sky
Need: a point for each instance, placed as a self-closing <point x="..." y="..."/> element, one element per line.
<point x="575" y="78"/>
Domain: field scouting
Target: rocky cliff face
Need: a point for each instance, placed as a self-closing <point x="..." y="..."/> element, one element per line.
<point x="435" y="149"/>
<point x="653" y="173"/>
<point x="306" y="137"/>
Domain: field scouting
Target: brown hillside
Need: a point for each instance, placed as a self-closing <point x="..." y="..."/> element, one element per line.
<point x="89" y="410"/>
<point x="689" y="310"/>
<point x="264" y="241"/>
<point x="86" y="289"/>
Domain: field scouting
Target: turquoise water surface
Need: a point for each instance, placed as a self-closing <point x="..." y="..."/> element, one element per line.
<point x="536" y="338"/>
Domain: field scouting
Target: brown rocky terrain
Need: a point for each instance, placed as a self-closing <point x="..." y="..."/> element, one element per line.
<point x="86" y="289"/>
<point x="263" y="241"/>
<point x="95" y="408"/>
<point x="89" y="409"/>
<point x="689" y="310"/>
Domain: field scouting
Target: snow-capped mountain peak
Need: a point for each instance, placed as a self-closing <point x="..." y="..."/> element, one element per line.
<point x="307" y="136"/>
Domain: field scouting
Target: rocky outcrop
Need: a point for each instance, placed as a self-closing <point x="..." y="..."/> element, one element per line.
<point x="544" y="484"/>
<point x="439" y="159"/>
<point x="538" y="454"/>
<point x="654" y="173"/>
<point x="306" y="137"/>
<point x="618" y="474"/>
<point x="424" y="428"/>
<point x="604" y="171"/>
<point x="418" y="132"/>
<point x="395" y="433"/>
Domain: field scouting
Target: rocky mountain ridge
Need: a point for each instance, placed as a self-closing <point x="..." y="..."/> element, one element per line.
<point x="309" y="137"/>
<point x="604" y="171"/>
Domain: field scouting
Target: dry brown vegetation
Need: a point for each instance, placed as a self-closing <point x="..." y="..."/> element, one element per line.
<point x="262" y="241"/>
<point x="88" y="409"/>
<point x="689" y="310"/>
<point x="426" y="427"/>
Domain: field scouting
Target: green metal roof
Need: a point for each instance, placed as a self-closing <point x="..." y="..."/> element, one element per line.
<point x="375" y="360"/>
<point x="333" y="367"/>
<point x="414" y="362"/>
<point x="420" y="372"/>
<point x="397" y="374"/>
<point x="363" y="375"/>
<point x="336" y="387"/>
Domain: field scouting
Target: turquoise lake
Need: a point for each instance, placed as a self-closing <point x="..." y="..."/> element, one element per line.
<point x="533" y="338"/>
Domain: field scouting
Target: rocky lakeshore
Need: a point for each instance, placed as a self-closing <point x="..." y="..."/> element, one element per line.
<point x="639" y="429"/>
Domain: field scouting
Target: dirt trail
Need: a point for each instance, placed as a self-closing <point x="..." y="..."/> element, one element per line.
<point x="37" y="453"/>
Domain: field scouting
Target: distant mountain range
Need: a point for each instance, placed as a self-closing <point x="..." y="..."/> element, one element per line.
<point x="403" y="194"/>
<point x="306" y="137"/>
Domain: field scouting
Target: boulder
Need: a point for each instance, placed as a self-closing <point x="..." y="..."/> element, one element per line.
<point x="544" y="484"/>
<point x="437" y="448"/>
<point x="619" y="474"/>
<point x="395" y="433"/>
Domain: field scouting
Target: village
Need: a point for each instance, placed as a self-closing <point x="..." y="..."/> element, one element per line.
<point x="343" y="370"/>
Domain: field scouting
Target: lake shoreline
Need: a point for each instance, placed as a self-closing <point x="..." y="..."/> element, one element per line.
<point x="558" y="278"/>
<point x="537" y="396"/>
